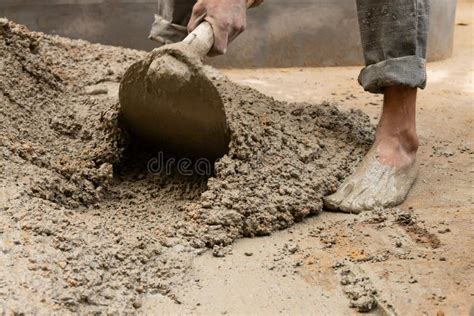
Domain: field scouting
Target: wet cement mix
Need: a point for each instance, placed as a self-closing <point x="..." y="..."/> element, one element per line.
<point x="86" y="227"/>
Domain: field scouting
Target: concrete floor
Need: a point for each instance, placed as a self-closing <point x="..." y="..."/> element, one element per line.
<point x="428" y="270"/>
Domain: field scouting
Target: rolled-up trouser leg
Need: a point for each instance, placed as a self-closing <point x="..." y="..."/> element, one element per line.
<point x="170" y="25"/>
<point x="394" y="36"/>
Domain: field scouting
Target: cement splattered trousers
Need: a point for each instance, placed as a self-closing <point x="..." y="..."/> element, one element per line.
<point x="394" y="38"/>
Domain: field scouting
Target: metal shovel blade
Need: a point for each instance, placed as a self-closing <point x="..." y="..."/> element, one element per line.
<point x="167" y="100"/>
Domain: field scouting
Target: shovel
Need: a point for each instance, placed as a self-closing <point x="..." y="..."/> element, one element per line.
<point x="167" y="99"/>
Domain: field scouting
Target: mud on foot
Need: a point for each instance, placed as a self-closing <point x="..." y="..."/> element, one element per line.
<point x="389" y="169"/>
<point x="373" y="185"/>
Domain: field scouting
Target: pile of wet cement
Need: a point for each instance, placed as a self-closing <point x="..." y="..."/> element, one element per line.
<point x="85" y="224"/>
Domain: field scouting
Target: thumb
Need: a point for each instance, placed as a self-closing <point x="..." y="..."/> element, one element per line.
<point x="198" y="15"/>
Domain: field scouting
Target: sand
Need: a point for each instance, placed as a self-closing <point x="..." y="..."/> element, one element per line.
<point x="88" y="228"/>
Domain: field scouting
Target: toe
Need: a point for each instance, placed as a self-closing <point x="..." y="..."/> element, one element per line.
<point x="334" y="201"/>
<point x="347" y="205"/>
<point x="355" y="202"/>
<point x="351" y="207"/>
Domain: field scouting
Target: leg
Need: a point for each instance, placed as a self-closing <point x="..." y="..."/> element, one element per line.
<point x="388" y="171"/>
<point x="396" y="140"/>
<point x="170" y="25"/>
<point x="394" y="41"/>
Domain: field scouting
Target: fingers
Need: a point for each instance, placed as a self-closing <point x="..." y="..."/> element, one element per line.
<point x="227" y="18"/>
<point x="221" y="37"/>
<point x="227" y="23"/>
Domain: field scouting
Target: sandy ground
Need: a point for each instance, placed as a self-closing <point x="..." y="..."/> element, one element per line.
<point x="426" y="271"/>
<point x="416" y="259"/>
<point x="90" y="221"/>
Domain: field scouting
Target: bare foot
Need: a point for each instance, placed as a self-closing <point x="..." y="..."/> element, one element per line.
<point x="389" y="169"/>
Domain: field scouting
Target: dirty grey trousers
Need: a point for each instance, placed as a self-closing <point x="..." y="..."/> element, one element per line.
<point x="394" y="38"/>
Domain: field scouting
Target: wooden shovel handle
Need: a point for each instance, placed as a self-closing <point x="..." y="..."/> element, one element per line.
<point x="201" y="39"/>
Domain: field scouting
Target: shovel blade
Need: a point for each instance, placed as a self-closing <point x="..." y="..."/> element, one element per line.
<point x="168" y="102"/>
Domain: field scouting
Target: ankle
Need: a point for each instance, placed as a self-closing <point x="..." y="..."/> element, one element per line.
<point x="409" y="140"/>
<point x="403" y="140"/>
<point x="397" y="124"/>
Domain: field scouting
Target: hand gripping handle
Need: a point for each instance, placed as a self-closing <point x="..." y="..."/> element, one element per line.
<point x="201" y="39"/>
